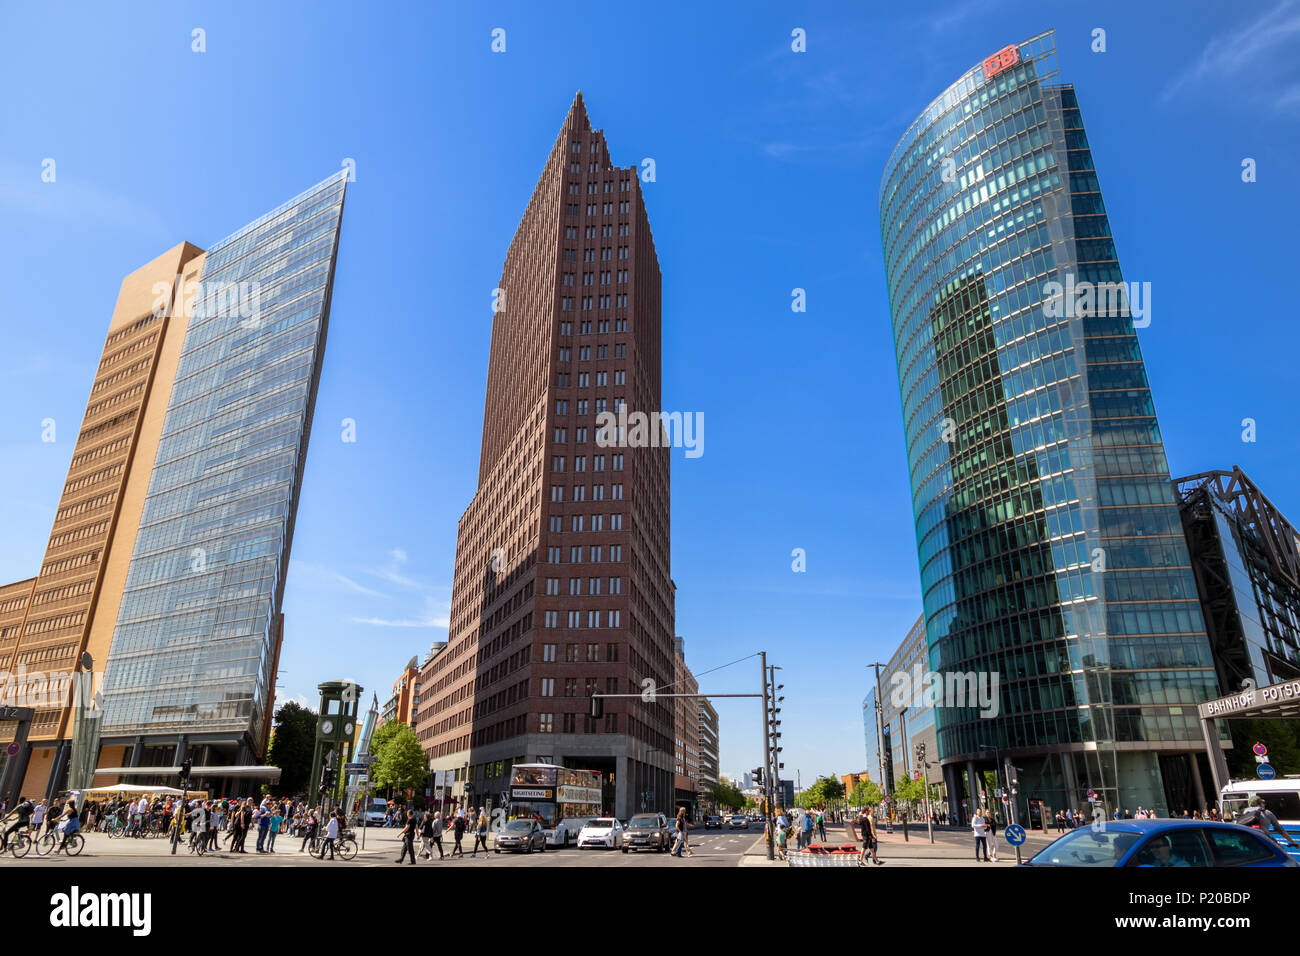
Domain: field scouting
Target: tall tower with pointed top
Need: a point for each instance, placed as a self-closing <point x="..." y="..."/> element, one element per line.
<point x="562" y="585"/>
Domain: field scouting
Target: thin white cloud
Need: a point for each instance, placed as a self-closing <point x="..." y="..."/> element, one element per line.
<point x="436" y="614"/>
<point x="392" y="573"/>
<point x="330" y="576"/>
<point x="1247" y="48"/>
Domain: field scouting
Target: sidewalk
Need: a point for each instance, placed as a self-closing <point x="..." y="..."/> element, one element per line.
<point x="952" y="847"/>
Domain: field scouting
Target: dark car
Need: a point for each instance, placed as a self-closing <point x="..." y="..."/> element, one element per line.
<point x="1163" y="843"/>
<point x="521" y="836"/>
<point x="713" y="822"/>
<point x="648" y="831"/>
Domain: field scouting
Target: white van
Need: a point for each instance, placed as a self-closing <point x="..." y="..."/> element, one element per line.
<point x="375" y="813"/>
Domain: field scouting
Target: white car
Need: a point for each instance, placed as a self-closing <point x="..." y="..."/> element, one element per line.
<point x="606" y="833"/>
<point x="375" y="813"/>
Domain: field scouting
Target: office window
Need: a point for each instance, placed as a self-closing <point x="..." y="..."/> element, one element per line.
<point x="570" y="723"/>
<point x="552" y="618"/>
<point x="593" y="619"/>
<point x="545" y="723"/>
<point x="570" y="687"/>
<point x="548" y="652"/>
<point x="552" y="555"/>
<point x="571" y="653"/>
<point x="547" y="687"/>
<point x="596" y="551"/>
<point x="575" y="619"/>
<point x="614" y="619"/>
<point x="557" y="492"/>
<point x="575" y="555"/>
<point x="553" y="585"/>
<point x="611" y="654"/>
<point x="616" y="521"/>
<point x="593" y="586"/>
<point x="593" y="655"/>
<point x="615" y="585"/>
<point x="616" y="552"/>
<point x="575" y="587"/>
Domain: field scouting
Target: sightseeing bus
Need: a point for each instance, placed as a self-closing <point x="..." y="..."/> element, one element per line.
<point x="561" y="800"/>
<point x="1281" y="796"/>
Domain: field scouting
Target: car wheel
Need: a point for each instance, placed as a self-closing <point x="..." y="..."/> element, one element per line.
<point x="624" y="849"/>
<point x="496" y="851"/>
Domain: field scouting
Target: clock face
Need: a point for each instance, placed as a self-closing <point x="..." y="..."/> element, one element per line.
<point x="327" y="727"/>
<point x="347" y="729"/>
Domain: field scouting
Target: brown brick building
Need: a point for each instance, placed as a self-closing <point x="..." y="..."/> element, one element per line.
<point x="562" y="584"/>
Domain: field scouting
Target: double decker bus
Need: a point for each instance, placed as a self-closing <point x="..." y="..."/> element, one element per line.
<point x="562" y="800"/>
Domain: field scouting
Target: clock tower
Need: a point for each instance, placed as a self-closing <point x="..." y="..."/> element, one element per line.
<point x="336" y="728"/>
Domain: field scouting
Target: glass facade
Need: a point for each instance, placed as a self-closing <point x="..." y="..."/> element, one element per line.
<point x="195" y="639"/>
<point x="1049" y="540"/>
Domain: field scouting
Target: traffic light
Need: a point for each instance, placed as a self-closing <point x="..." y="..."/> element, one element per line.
<point x="185" y="769"/>
<point x="758" y="775"/>
<point x="597" y="707"/>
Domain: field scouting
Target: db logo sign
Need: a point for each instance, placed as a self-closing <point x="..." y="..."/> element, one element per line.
<point x="1004" y="59"/>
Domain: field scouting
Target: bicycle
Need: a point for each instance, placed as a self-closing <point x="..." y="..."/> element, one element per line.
<point x="346" y="845"/>
<point x="20" y="843"/>
<point x="52" y="843"/>
<point x="115" y="826"/>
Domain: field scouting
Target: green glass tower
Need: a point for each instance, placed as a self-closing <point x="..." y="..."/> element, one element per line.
<point x="1051" y="554"/>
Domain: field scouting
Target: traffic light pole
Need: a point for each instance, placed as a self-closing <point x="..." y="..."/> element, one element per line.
<point x="767" y="756"/>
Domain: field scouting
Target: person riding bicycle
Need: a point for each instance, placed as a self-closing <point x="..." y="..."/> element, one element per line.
<point x="70" y="824"/>
<point x="24" y="812"/>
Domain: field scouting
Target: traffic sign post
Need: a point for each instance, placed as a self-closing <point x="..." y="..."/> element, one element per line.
<point x="1265" y="771"/>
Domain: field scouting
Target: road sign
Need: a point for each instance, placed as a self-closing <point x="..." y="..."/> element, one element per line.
<point x="1260" y="750"/>
<point x="1265" y="771"/>
<point x="356" y="767"/>
<point x="1092" y="794"/>
<point x="1259" y="759"/>
<point x="1015" y="834"/>
<point x="12" y="749"/>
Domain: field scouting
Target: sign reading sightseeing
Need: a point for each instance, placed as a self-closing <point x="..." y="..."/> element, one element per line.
<point x="1004" y="59"/>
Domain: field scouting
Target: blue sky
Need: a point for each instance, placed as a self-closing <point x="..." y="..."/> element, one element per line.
<point x="767" y="165"/>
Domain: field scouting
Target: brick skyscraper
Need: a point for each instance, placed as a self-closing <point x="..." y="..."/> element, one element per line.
<point x="562" y="584"/>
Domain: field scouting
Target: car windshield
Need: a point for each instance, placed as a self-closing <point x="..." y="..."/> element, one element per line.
<point x="738" y="816"/>
<point x="600" y="824"/>
<point x="1088" y="847"/>
<point x="643" y="823"/>
<point x="519" y="825"/>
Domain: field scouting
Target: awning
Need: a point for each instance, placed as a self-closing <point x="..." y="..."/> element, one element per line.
<point x="246" y="773"/>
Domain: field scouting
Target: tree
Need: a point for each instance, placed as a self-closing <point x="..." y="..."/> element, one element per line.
<point x="292" y="747"/>
<point x="399" y="760"/>
<point x="866" y="793"/>
<point x="909" y="791"/>
<point x="725" y="796"/>
<point x="1281" y="737"/>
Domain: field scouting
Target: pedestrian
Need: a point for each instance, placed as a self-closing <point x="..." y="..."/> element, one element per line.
<point x="821" y="825"/>
<point x="408" y="837"/>
<point x="458" y="830"/>
<point x="980" y="829"/>
<point x="277" y="821"/>
<point x="263" y="818"/>
<point x="782" y="835"/>
<point x="438" y="827"/>
<point x="426" y="836"/>
<point x="680" y="826"/>
<point x="993" y="836"/>
<point x="868" y="834"/>
<point x="310" y="825"/>
<point x="331" y="834"/>
<point x="481" y="832"/>
<point x="807" y="828"/>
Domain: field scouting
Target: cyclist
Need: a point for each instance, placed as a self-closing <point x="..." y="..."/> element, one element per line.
<point x="24" y="812"/>
<point x="71" y="823"/>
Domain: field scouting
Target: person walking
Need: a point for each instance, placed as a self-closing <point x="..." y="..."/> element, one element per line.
<point x="408" y="837"/>
<point x="481" y="832"/>
<point x="980" y="829"/>
<point x="821" y="825"/>
<point x="870" y="837"/>
<point x="331" y="834"/>
<point x="458" y="830"/>
<point x="277" y="821"/>
<point x="310" y="826"/>
<point x="807" y="829"/>
<point x="263" y="817"/>
<point x="438" y="826"/>
<point x="993" y="835"/>
<point x="680" y="827"/>
<point x="426" y="836"/>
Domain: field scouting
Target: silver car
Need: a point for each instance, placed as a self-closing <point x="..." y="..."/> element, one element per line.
<point x="521" y="836"/>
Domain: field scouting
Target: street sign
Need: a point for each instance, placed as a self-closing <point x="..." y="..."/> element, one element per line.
<point x="1261" y="759"/>
<point x="356" y="767"/>
<point x="1092" y="794"/>
<point x="1015" y="834"/>
<point x="1265" y="771"/>
<point x="1260" y="750"/>
<point x="12" y="749"/>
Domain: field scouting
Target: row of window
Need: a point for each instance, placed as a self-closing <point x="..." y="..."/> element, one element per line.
<point x="597" y="464"/>
<point x="576" y="551"/>
<point x="589" y="254"/>
<point x="551" y="619"/>
<point x="575" y="586"/>
<point x="602" y="327"/>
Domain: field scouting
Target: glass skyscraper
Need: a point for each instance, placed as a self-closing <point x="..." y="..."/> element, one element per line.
<point x="1050" y="547"/>
<point x="193" y="653"/>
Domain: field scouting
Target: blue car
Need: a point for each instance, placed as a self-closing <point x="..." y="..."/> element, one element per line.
<point x="1163" y="843"/>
